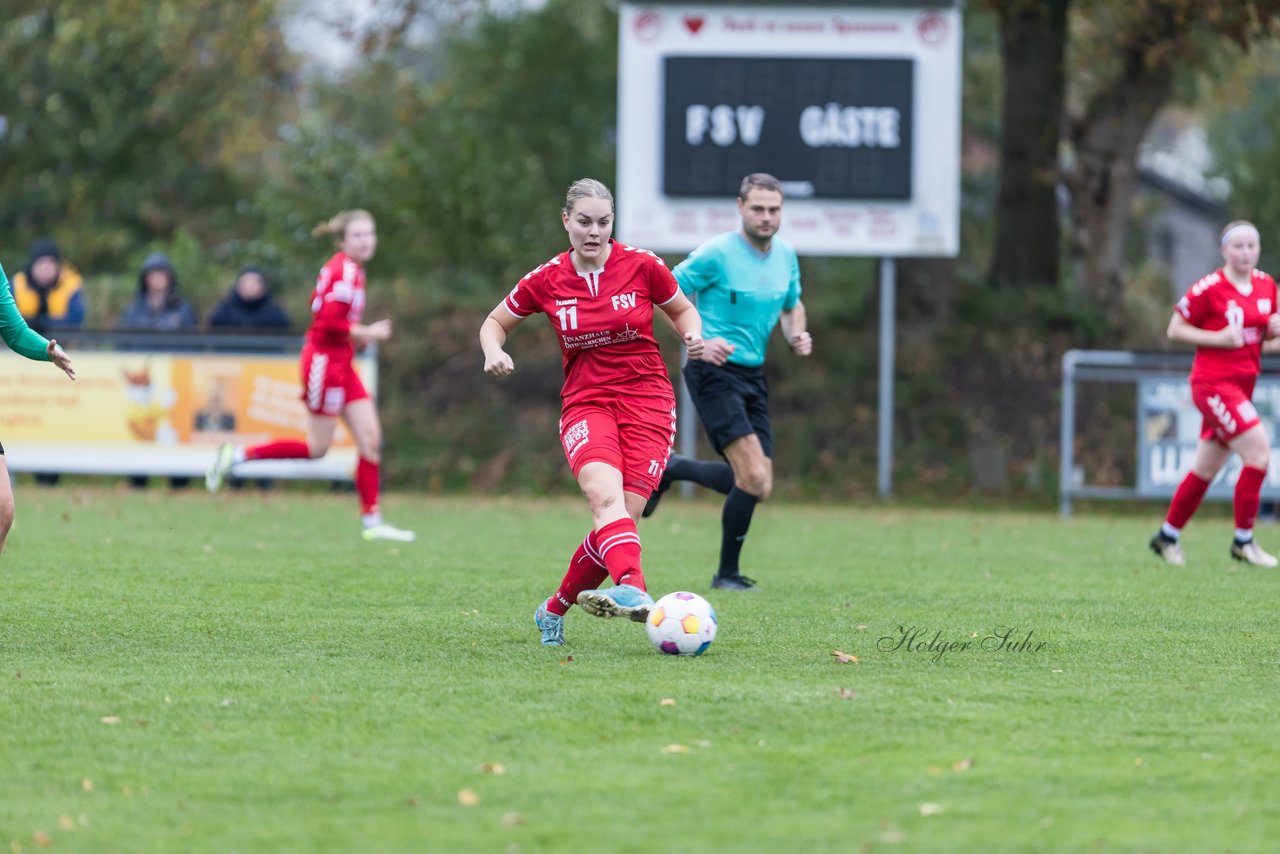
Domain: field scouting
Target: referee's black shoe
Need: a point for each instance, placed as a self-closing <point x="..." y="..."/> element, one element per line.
<point x="733" y="582"/>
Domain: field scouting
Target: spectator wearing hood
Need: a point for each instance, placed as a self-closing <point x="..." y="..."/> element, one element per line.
<point x="48" y="291"/>
<point x="249" y="304"/>
<point x="157" y="306"/>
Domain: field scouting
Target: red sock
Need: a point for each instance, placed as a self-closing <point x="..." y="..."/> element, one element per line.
<point x="1247" y="498"/>
<point x="285" y="449"/>
<point x="1186" y="499"/>
<point x="619" y="545"/>
<point x="585" y="572"/>
<point x="367" y="485"/>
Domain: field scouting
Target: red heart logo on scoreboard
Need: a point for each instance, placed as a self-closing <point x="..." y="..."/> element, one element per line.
<point x="694" y="24"/>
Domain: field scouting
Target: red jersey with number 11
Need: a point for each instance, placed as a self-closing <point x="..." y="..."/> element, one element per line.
<point x="604" y="322"/>
<point x="1213" y="303"/>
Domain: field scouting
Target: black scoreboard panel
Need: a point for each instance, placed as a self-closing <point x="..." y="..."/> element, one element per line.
<point x="828" y="128"/>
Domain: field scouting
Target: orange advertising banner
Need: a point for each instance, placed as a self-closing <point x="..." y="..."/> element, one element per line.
<point x="150" y="412"/>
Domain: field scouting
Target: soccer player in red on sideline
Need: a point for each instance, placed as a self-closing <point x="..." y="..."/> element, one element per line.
<point x="617" y="417"/>
<point x="330" y="384"/>
<point x="1227" y="315"/>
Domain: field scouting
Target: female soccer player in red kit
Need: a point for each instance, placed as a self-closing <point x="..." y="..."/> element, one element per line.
<point x="330" y="385"/>
<point x="617" y="416"/>
<point x="1227" y="315"/>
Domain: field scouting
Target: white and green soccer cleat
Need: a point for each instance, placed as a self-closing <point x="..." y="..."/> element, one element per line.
<point x="383" y="531"/>
<point x="220" y="468"/>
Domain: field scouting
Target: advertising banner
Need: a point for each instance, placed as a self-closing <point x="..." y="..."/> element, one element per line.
<point x="132" y="412"/>
<point x="1169" y="428"/>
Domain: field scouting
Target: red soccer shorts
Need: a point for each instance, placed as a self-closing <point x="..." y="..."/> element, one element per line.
<point x="329" y="382"/>
<point x="634" y="436"/>
<point x="1227" y="408"/>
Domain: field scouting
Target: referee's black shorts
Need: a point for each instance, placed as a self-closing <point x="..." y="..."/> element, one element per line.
<point x="732" y="402"/>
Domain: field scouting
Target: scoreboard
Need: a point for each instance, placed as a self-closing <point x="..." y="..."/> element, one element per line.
<point x="854" y="107"/>
<point x="826" y="127"/>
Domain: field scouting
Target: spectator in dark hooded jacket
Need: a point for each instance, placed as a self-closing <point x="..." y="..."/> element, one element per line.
<point x="249" y="305"/>
<point x="48" y="290"/>
<point x="157" y="306"/>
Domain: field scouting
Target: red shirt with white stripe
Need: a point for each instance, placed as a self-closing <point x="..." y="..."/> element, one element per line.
<point x="1213" y="303"/>
<point x="336" y="304"/>
<point x="603" y="321"/>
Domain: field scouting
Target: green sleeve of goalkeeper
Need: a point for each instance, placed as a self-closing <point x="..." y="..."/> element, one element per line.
<point x="22" y="339"/>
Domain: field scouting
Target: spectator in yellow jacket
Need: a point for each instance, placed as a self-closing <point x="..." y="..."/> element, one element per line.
<point x="48" y="290"/>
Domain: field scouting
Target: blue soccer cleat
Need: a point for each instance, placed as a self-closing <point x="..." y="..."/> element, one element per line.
<point x="621" y="601"/>
<point x="551" y="625"/>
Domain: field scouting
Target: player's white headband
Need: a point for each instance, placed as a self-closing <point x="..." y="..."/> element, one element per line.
<point x="1241" y="229"/>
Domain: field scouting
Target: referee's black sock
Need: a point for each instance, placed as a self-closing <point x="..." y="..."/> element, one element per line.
<point x="713" y="474"/>
<point x="734" y="522"/>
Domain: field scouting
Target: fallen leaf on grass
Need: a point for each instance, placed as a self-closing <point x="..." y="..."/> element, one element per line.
<point x="892" y="836"/>
<point x="86" y="784"/>
<point x="675" y="748"/>
<point x="109" y="719"/>
<point x="930" y="809"/>
<point x="41" y="838"/>
<point x="962" y="765"/>
<point x="127" y="791"/>
<point x="492" y="768"/>
<point x="66" y="822"/>
<point x="568" y="659"/>
<point x="412" y="801"/>
<point x="844" y="657"/>
<point x="667" y="701"/>
<point x="846" y="693"/>
<point x="862" y="627"/>
<point x="511" y="819"/>
<point x="468" y="798"/>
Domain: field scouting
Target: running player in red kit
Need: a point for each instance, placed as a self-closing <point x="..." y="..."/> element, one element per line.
<point x="330" y="385"/>
<point x="1227" y="315"/>
<point x="617" y="417"/>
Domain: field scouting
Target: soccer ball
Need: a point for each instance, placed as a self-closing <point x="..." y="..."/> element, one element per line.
<point x="681" y="624"/>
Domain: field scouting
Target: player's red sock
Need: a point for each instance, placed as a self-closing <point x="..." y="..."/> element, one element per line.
<point x="367" y="485"/>
<point x="284" y="449"/>
<point x="619" y="545"/>
<point x="1186" y="499"/>
<point x="585" y="572"/>
<point x="1247" y="497"/>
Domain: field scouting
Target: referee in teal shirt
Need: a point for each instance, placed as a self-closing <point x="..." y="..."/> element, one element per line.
<point x="746" y="282"/>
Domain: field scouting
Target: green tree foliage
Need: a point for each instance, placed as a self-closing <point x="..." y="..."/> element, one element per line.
<point x="128" y="119"/>
<point x="1244" y="135"/>
<point x="462" y="149"/>
<point x="1123" y="62"/>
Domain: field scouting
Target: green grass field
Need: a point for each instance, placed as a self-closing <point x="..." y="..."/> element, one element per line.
<point x="182" y="672"/>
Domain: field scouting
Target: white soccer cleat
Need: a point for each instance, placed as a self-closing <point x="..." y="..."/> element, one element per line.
<point x="1168" y="549"/>
<point x="1252" y="553"/>
<point x="220" y="468"/>
<point x="383" y="531"/>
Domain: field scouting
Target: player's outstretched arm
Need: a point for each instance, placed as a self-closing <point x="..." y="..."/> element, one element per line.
<point x="493" y="336"/>
<point x="794" y="324"/>
<point x="688" y="323"/>
<point x="1182" y="330"/>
